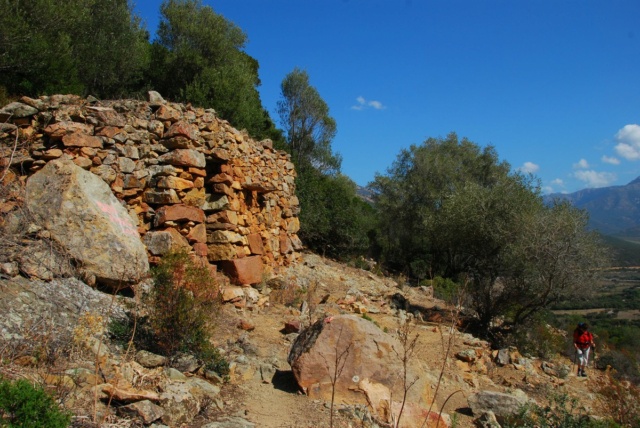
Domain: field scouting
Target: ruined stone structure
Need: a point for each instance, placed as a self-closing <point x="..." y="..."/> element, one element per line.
<point x="187" y="178"/>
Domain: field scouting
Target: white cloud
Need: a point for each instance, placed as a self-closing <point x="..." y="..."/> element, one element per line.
<point x="529" y="168"/>
<point x="362" y="103"/>
<point x="555" y="186"/>
<point x="629" y="142"/>
<point x="582" y="164"/>
<point x="547" y="190"/>
<point x="610" y="160"/>
<point x="594" y="178"/>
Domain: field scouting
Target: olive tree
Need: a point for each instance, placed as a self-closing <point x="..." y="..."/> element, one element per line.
<point x="461" y="213"/>
<point x="557" y="257"/>
<point x="413" y="192"/>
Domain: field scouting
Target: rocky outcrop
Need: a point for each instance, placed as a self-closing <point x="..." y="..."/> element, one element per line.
<point x="363" y="364"/>
<point x="55" y="305"/>
<point x="188" y="179"/>
<point x="82" y="215"/>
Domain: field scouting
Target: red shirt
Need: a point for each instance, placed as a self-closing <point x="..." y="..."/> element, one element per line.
<point x="582" y="338"/>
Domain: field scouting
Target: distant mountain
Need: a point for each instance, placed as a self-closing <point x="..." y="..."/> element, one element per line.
<point x="365" y="194"/>
<point x="612" y="210"/>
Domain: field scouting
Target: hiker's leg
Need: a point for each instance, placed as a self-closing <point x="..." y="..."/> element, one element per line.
<point x="580" y="354"/>
<point x="586" y="360"/>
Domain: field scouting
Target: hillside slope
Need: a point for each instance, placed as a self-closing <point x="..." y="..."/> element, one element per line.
<point x="262" y="390"/>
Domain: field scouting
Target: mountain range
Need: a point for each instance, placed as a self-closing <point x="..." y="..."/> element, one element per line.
<point x="613" y="210"/>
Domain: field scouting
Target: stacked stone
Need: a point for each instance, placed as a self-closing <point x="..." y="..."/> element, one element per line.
<point x="189" y="179"/>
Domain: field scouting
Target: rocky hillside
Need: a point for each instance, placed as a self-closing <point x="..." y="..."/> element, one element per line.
<point x="280" y="372"/>
<point x="94" y="192"/>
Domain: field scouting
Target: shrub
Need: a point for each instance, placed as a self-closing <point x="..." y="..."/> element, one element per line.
<point x="183" y="305"/>
<point x="624" y="364"/>
<point x="183" y="302"/>
<point x="621" y="399"/>
<point x="538" y="339"/>
<point x="561" y="412"/>
<point x="27" y="406"/>
<point x="290" y="294"/>
<point x="446" y="289"/>
<point x="120" y="330"/>
<point x="213" y="360"/>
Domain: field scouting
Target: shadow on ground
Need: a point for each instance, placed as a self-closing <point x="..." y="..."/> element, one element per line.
<point x="284" y="380"/>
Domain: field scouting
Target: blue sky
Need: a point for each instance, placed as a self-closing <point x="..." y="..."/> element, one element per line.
<point x="553" y="85"/>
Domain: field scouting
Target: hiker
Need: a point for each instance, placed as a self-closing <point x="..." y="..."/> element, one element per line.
<point x="583" y="342"/>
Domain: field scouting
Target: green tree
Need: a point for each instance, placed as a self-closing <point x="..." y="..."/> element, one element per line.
<point x="556" y="258"/>
<point x="414" y="190"/>
<point x="309" y="129"/>
<point x="198" y="57"/>
<point x="475" y="230"/>
<point x="111" y="49"/>
<point x="76" y="46"/>
<point x="459" y="212"/>
<point x="36" y="53"/>
<point x="334" y="220"/>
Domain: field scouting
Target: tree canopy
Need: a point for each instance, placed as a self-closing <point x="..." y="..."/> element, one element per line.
<point x="198" y="57"/>
<point x="77" y="46"/>
<point x="100" y="47"/>
<point x="309" y="129"/>
<point x="450" y="208"/>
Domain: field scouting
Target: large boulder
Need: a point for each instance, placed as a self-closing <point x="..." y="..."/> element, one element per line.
<point x="504" y="406"/>
<point x="371" y="369"/>
<point x="85" y="218"/>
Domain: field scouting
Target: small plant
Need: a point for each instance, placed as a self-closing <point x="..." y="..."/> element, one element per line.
<point x="289" y="295"/>
<point x="408" y="340"/>
<point x="213" y="360"/>
<point x="562" y="411"/>
<point x="446" y="289"/>
<point x="120" y="330"/>
<point x="368" y="318"/>
<point x="361" y="263"/>
<point x="89" y="326"/>
<point x="335" y="368"/>
<point x="621" y="399"/>
<point x="27" y="406"/>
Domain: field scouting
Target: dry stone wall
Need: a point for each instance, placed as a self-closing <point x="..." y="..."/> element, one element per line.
<point x="188" y="178"/>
